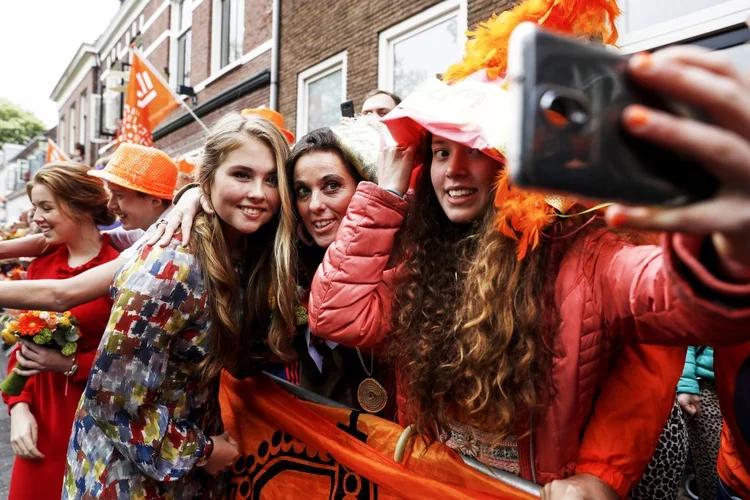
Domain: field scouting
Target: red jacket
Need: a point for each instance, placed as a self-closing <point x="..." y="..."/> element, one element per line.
<point x="608" y="293"/>
<point x="732" y="372"/>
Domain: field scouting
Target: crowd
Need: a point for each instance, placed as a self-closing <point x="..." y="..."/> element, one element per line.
<point x="558" y="344"/>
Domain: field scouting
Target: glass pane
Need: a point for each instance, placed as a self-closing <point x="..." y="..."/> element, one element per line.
<point x="225" y="14"/>
<point x="424" y="55"/>
<point x="324" y="100"/>
<point x="641" y="14"/>
<point x="235" y="30"/>
<point x="183" y="59"/>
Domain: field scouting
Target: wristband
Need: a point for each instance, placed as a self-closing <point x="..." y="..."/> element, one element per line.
<point x="73" y="368"/>
<point x="395" y="192"/>
<point x="208" y="449"/>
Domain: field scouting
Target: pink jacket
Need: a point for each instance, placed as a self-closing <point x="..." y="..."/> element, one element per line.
<point x="609" y="294"/>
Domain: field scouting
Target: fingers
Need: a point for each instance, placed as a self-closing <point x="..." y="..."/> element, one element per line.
<point x="723" y="153"/>
<point x="25" y="364"/>
<point x="170" y="227"/>
<point x="728" y="213"/>
<point x="205" y="205"/>
<point x="714" y="87"/>
<point x="156" y="234"/>
<point x="716" y="62"/>
<point x="25" y="373"/>
<point x="187" y="224"/>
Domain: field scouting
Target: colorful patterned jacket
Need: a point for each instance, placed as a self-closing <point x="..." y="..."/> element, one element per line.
<point x="137" y="431"/>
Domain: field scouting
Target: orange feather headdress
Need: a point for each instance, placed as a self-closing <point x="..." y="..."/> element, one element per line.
<point x="522" y="215"/>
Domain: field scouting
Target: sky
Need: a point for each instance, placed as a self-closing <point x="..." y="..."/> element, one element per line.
<point x="38" y="38"/>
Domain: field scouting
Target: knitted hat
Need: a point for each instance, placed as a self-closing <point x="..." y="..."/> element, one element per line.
<point x="273" y="117"/>
<point x="141" y="168"/>
<point x="471" y="105"/>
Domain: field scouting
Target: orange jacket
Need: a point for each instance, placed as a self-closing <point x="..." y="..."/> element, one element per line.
<point x="732" y="372"/>
<point x="611" y="397"/>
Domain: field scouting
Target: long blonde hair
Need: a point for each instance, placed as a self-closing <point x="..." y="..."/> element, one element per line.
<point x="269" y="319"/>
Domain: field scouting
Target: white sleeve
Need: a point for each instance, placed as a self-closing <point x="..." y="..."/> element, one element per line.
<point x="122" y="239"/>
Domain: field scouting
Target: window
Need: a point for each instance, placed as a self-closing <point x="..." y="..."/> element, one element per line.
<point x="320" y="91"/>
<point x="184" y="23"/>
<point x="83" y="111"/>
<point x="227" y="32"/>
<point x="61" y="132"/>
<point x="645" y="24"/>
<point x="72" y="136"/>
<point x="421" y="47"/>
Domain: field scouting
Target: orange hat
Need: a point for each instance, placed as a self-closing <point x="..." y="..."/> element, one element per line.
<point x="185" y="166"/>
<point x="140" y="168"/>
<point x="273" y="117"/>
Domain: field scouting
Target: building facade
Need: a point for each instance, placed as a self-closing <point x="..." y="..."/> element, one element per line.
<point x="226" y="55"/>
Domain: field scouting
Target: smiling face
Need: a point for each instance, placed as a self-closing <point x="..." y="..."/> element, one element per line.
<point x="135" y="210"/>
<point x="323" y="188"/>
<point x="462" y="178"/>
<point x="57" y="226"/>
<point x="244" y="190"/>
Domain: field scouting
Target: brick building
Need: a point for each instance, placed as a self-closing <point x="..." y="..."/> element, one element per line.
<point x="220" y="53"/>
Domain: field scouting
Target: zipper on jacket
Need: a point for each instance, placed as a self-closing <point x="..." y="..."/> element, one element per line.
<point x="531" y="448"/>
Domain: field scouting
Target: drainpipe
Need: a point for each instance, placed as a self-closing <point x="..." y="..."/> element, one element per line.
<point x="275" y="34"/>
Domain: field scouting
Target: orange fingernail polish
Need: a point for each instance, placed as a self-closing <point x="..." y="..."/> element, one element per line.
<point x="643" y="60"/>
<point x="636" y="116"/>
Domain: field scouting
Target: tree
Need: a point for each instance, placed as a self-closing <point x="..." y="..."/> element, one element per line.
<point x="17" y="126"/>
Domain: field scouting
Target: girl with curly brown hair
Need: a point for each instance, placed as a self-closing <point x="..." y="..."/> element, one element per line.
<point x="515" y="346"/>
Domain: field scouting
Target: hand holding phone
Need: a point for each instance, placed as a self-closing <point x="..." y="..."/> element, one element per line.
<point x="347" y="109"/>
<point x="569" y="97"/>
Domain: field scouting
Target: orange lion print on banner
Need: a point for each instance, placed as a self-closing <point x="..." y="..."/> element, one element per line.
<point x="295" y="449"/>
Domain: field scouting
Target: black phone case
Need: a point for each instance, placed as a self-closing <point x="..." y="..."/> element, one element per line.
<point x="572" y="95"/>
<point x="347" y="109"/>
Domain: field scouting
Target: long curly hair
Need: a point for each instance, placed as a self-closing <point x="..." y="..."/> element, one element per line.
<point x="268" y="309"/>
<point x="472" y="325"/>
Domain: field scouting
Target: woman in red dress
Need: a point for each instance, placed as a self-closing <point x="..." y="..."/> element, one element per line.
<point x="68" y="205"/>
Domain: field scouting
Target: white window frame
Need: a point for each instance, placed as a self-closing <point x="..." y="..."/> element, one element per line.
<point x="73" y="124"/>
<point x="412" y="26"/>
<point x="708" y="20"/>
<point x="216" y="35"/>
<point x="83" y="109"/>
<point x="176" y="34"/>
<point x="311" y="75"/>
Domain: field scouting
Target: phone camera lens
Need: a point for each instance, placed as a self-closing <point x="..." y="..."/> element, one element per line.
<point x="563" y="111"/>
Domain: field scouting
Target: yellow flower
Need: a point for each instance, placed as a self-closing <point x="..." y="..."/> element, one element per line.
<point x="12" y="326"/>
<point x="63" y="321"/>
<point x="67" y="314"/>
<point x="8" y="337"/>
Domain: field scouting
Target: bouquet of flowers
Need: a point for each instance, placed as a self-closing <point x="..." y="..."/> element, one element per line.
<point x="47" y="329"/>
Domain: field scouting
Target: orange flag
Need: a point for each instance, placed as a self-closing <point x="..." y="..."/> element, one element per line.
<point x="295" y="449"/>
<point x="54" y="153"/>
<point x="148" y="101"/>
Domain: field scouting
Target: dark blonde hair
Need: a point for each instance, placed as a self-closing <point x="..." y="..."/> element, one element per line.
<point x="78" y="194"/>
<point x="269" y="313"/>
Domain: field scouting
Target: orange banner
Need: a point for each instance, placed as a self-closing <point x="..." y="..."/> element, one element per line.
<point x="148" y="101"/>
<point x="54" y="153"/>
<point x="295" y="449"/>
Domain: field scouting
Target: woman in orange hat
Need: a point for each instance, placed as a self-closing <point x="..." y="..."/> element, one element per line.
<point x="148" y="424"/>
<point x="68" y="205"/>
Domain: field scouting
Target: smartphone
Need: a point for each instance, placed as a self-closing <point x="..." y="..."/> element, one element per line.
<point x="347" y="109"/>
<point x="568" y="97"/>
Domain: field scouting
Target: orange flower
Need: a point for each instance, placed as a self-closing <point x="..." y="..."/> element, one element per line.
<point x="29" y="324"/>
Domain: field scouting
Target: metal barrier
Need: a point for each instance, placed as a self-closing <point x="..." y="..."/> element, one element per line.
<point x="500" y="475"/>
